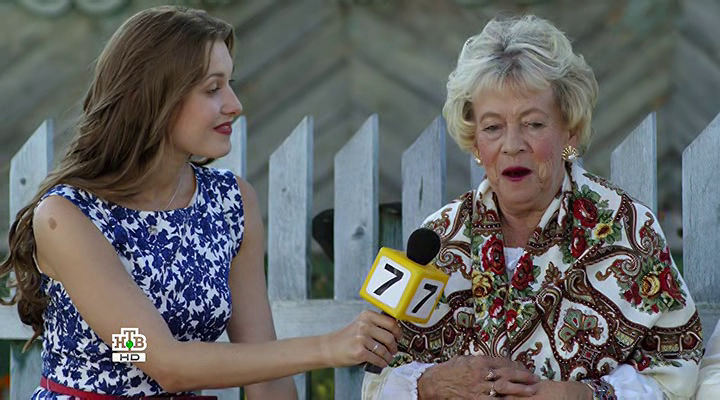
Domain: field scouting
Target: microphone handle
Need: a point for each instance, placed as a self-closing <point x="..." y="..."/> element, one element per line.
<point x="372" y="368"/>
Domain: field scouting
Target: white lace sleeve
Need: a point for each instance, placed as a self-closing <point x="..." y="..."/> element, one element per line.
<point x="630" y="384"/>
<point x="398" y="383"/>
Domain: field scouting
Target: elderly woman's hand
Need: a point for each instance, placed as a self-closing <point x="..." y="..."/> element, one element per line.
<point x="551" y="390"/>
<point x="473" y="377"/>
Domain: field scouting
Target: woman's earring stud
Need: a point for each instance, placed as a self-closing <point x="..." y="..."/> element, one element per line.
<point x="478" y="161"/>
<point x="570" y="153"/>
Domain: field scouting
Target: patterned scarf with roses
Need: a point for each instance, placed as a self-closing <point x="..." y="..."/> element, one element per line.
<point x="591" y="290"/>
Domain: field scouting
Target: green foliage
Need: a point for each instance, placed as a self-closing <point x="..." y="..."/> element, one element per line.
<point x="4" y="357"/>
<point x="322" y="382"/>
<point x="321" y="276"/>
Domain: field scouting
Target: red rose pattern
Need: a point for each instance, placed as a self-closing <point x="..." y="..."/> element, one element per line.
<point x="524" y="273"/>
<point x="496" y="310"/>
<point x="493" y="258"/>
<point x="669" y="285"/>
<point x="484" y="336"/>
<point x="665" y="256"/>
<point x="633" y="294"/>
<point x="511" y="319"/>
<point x="643" y="364"/>
<point x="585" y="211"/>
<point x="579" y="243"/>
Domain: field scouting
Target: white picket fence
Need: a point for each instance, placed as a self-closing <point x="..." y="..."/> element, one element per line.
<point x="356" y="225"/>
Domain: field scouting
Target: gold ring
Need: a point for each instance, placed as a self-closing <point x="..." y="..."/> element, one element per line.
<point x="492" y="393"/>
<point x="374" y="348"/>
<point x="491" y="375"/>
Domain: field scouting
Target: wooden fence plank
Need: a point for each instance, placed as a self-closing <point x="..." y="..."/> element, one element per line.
<point x="423" y="177"/>
<point x="701" y="213"/>
<point x="11" y="328"/>
<point x="236" y="160"/>
<point x="289" y="200"/>
<point x="355" y="228"/>
<point x="633" y="165"/>
<point x="289" y="220"/>
<point x="28" y="168"/>
<point x="356" y="224"/>
<point x="25" y="370"/>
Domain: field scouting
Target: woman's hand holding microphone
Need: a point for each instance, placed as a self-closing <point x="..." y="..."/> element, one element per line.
<point x="371" y="337"/>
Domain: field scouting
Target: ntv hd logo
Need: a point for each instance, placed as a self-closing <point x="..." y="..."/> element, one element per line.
<point x="127" y="346"/>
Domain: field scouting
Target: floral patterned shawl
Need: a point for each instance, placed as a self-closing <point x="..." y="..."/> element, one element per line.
<point x="595" y="287"/>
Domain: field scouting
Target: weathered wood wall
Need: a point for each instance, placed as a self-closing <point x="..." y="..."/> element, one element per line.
<point x="340" y="60"/>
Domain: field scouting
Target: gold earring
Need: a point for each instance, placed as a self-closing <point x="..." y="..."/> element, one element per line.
<point x="478" y="161"/>
<point x="570" y="153"/>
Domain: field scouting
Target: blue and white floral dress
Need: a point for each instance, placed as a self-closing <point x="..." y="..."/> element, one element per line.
<point x="179" y="258"/>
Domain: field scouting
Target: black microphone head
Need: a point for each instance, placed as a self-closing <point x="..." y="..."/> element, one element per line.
<point x="423" y="245"/>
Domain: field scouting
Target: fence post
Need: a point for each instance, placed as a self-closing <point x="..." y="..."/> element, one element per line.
<point x="28" y="168"/>
<point x="355" y="228"/>
<point x="289" y="220"/>
<point x="701" y="231"/>
<point x="236" y="161"/>
<point x="423" y="177"/>
<point x="633" y="164"/>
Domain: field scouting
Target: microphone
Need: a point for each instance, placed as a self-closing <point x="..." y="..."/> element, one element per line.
<point x="403" y="285"/>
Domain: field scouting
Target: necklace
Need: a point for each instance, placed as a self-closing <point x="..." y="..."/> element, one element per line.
<point x="177" y="188"/>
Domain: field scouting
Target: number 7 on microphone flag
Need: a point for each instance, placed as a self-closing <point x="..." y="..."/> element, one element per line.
<point x="403" y="288"/>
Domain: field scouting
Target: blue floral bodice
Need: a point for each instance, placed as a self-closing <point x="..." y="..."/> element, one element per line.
<point x="179" y="258"/>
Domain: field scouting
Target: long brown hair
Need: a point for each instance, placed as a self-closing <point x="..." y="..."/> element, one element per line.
<point x="141" y="77"/>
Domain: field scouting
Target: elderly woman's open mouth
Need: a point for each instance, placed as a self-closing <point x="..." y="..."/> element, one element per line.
<point x="516" y="174"/>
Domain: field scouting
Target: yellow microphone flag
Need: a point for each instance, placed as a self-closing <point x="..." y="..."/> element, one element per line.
<point x="403" y="288"/>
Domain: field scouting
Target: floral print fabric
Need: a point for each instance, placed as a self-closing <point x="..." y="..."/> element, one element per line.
<point x="179" y="258"/>
<point x="595" y="288"/>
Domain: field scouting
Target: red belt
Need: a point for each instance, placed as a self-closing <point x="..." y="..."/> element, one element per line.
<point x="60" y="389"/>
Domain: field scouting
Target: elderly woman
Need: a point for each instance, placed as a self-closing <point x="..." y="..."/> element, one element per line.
<point x="561" y="285"/>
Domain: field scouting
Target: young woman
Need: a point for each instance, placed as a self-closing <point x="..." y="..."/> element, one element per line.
<point x="132" y="230"/>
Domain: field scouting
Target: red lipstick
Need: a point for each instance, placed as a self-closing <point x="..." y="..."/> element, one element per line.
<point x="224" y="129"/>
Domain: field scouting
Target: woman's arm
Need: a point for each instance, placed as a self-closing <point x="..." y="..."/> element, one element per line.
<point x="73" y="251"/>
<point x="251" y="320"/>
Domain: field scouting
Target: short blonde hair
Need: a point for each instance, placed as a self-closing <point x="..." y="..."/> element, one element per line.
<point x="527" y="53"/>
